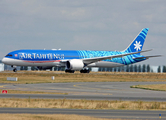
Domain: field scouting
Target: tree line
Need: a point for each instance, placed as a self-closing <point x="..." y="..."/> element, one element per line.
<point x="134" y="68"/>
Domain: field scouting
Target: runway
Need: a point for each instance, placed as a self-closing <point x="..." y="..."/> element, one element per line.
<point x="88" y="90"/>
<point x="87" y="97"/>
<point x="125" y="114"/>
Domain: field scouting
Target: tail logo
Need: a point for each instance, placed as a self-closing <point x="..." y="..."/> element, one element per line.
<point x="137" y="45"/>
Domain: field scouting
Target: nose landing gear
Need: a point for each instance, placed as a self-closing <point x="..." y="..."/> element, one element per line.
<point x="14" y="68"/>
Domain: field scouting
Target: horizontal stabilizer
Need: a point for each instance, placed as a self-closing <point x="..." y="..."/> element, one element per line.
<point x="147" y="57"/>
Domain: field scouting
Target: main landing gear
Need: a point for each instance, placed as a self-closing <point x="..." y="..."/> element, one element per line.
<point x="81" y="71"/>
<point x="85" y="71"/>
<point x="69" y="71"/>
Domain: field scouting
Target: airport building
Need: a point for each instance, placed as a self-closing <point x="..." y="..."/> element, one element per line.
<point x="1" y="67"/>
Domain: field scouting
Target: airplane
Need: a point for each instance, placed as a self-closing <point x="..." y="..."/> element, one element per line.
<point x="79" y="60"/>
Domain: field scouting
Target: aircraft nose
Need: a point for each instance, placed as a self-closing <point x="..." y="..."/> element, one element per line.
<point x="4" y="60"/>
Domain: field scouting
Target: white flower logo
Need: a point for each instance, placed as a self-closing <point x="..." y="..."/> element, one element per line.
<point x="137" y="46"/>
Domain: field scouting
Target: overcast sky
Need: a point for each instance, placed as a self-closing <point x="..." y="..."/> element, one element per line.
<point x="82" y="24"/>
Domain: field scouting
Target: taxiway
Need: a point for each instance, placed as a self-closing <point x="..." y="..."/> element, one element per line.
<point x="88" y="90"/>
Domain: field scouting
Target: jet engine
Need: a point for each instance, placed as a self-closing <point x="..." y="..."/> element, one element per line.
<point x="74" y="64"/>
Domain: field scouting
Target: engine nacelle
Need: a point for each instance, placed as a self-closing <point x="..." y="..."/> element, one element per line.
<point x="75" y="64"/>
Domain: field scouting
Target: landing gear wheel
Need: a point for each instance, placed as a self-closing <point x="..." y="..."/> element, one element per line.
<point x="84" y="71"/>
<point x="69" y="71"/>
<point x="14" y="70"/>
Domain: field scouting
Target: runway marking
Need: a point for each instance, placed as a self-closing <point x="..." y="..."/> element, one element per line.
<point x="77" y="85"/>
<point x="3" y="86"/>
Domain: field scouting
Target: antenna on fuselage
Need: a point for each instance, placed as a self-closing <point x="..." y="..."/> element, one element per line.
<point x="57" y="49"/>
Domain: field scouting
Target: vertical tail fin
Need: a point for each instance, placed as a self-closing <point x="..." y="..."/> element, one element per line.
<point x="137" y="44"/>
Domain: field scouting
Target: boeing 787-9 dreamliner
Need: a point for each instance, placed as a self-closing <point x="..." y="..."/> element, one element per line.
<point x="79" y="60"/>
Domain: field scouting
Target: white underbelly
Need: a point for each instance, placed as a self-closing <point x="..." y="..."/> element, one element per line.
<point x="17" y="62"/>
<point x="105" y="64"/>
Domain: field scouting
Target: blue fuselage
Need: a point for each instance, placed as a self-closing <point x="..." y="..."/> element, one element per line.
<point x="46" y="56"/>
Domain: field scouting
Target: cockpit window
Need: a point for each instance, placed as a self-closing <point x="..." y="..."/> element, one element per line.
<point x="9" y="55"/>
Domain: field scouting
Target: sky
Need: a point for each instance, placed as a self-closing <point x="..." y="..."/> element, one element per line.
<point x="82" y="25"/>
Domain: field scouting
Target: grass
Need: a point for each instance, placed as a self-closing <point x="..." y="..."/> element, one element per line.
<point x="48" y="117"/>
<point x="81" y="104"/>
<point x="33" y="77"/>
<point x="156" y="87"/>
